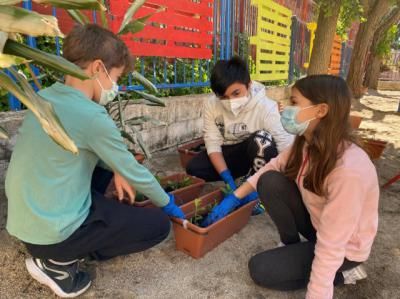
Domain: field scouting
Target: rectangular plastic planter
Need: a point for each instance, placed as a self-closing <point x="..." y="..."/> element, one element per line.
<point x="355" y="121"/>
<point x="186" y="152"/>
<point x="374" y="147"/>
<point x="182" y="195"/>
<point x="197" y="241"/>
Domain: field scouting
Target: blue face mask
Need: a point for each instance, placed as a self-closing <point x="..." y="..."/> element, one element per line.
<point x="289" y="120"/>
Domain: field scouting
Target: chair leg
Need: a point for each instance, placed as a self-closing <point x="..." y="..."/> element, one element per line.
<point x="391" y="181"/>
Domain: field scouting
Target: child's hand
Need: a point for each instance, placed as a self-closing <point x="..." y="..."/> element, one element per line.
<point x="122" y="187"/>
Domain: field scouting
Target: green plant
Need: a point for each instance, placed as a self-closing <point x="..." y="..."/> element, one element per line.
<point x="226" y="190"/>
<point x="201" y="212"/>
<point x="129" y="127"/>
<point x="172" y="186"/>
<point x="16" y="21"/>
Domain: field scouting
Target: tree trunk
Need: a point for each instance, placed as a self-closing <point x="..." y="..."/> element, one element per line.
<point x="373" y="68"/>
<point x="324" y="36"/>
<point x="362" y="44"/>
<point x="373" y="72"/>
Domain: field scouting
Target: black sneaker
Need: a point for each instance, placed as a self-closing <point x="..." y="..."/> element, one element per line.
<point x="64" y="279"/>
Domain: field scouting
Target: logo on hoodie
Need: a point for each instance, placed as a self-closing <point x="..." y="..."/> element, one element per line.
<point x="239" y="130"/>
<point x="219" y="122"/>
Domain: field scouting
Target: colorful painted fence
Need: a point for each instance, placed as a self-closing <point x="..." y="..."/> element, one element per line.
<point x="272" y="41"/>
<point x="336" y="55"/>
<point x="336" y="52"/>
<point x="178" y="28"/>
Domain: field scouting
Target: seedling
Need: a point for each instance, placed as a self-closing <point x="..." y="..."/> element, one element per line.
<point x="201" y="212"/>
<point x="172" y="186"/>
<point x="226" y="190"/>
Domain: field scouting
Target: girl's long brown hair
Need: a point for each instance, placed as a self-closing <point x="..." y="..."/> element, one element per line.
<point x="332" y="135"/>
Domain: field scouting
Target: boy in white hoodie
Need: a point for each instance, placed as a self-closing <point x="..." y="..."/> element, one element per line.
<point x="242" y="127"/>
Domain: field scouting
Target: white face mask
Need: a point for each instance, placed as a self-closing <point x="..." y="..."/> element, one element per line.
<point x="107" y="95"/>
<point x="235" y="105"/>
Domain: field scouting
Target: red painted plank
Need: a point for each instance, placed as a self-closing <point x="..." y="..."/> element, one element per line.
<point x="168" y="51"/>
<point x="174" y="35"/>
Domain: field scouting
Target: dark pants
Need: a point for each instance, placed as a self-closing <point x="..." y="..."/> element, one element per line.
<point x="111" y="229"/>
<point x="287" y="267"/>
<point x="244" y="158"/>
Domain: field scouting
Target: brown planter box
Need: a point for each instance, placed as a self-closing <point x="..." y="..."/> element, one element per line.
<point x="182" y="195"/>
<point x="374" y="147"/>
<point x="355" y="121"/>
<point x="197" y="241"/>
<point x="186" y="152"/>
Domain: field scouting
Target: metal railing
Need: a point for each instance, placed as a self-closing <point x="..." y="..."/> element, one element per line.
<point x="239" y="28"/>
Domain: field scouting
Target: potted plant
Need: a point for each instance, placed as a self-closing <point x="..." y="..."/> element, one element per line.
<point x="184" y="187"/>
<point x="196" y="241"/>
<point x="189" y="150"/>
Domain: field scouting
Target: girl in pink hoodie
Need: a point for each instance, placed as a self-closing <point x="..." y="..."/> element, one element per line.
<point x="324" y="188"/>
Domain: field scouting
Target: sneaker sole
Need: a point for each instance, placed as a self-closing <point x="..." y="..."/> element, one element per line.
<point x="41" y="277"/>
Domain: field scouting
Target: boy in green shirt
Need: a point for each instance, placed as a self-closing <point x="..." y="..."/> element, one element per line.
<point x="56" y="202"/>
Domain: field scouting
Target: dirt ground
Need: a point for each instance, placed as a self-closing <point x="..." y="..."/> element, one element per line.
<point x="163" y="272"/>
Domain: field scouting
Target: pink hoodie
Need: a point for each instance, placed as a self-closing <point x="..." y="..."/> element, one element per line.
<point x="346" y="220"/>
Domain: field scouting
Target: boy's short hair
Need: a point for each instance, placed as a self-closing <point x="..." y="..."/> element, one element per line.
<point x="87" y="43"/>
<point x="227" y="72"/>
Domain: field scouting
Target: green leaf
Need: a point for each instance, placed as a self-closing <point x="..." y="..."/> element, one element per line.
<point x="135" y="26"/>
<point x="150" y="98"/>
<point x="54" y="62"/>
<point x="136" y="138"/>
<point x="145" y="82"/>
<point x="129" y="14"/>
<point x="42" y="109"/>
<point x="73" y="4"/>
<point x="3" y="134"/>
<point x="140" y="142"/>
<point x="103" y="17"/>
<point x="10" y="60"/>
<point x="9" y="2"/>
<point x="16" y="19"/>
<point x="78" y="17"/>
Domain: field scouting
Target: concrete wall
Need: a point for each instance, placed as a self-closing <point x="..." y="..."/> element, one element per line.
<point x="389" y="85"/>
<point x="182" y="118"/>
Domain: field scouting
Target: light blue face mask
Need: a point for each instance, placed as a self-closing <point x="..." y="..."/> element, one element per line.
<point x="108" y="95"/>
<point x="290" y="123"/>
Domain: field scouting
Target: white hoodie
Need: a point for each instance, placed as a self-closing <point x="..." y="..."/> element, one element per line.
<point x="222" y="127"/>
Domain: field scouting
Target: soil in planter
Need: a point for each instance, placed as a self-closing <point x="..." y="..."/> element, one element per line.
<point x="168" y="187"/>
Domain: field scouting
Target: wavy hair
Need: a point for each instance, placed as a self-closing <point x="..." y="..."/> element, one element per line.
<point x="332" y="135"/>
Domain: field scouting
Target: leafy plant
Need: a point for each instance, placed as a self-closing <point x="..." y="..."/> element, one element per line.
<point x="15" y="21"/>
<point x="226" y="190"/>
<point x="129" y="127"/>
<point x="175" y="185"/>
<point x="201" y="212"/>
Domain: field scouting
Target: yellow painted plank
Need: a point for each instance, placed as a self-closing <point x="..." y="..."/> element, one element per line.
<point x="269" y="37"/>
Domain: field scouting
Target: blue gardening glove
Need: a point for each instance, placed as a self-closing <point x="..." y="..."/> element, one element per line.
<point x="171" y="209"/>
<point x="227" y="205"/>
<point x="252" y="196"/>
<point x="227" y="177"/>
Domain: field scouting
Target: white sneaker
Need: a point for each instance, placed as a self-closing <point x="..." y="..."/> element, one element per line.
<point x="357" y="273"/>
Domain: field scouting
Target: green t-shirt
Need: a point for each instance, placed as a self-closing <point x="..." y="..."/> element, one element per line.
<point x="48" y="188"/>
